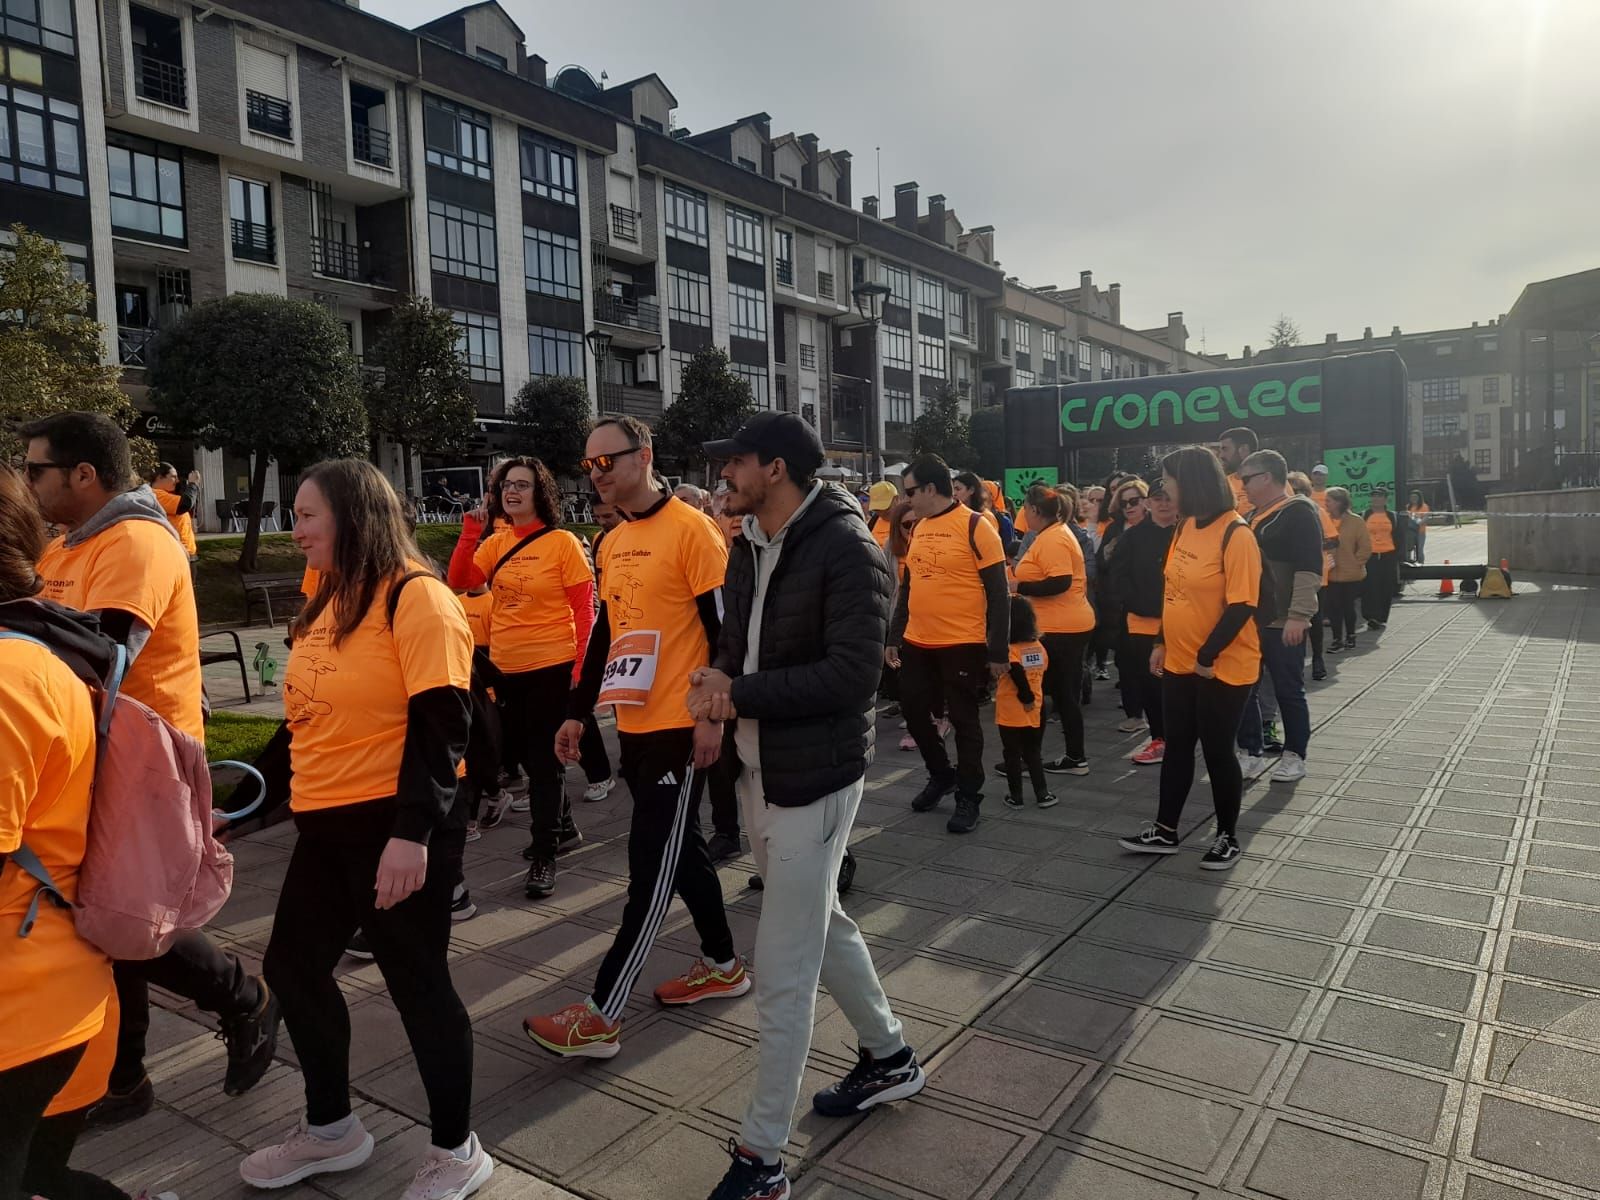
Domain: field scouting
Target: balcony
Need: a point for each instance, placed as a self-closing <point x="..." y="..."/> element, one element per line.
<point x="617" y="399"/>
<point x="269" y="115"/>
<point x="355" y="264"/>
<point x="624" y="224"/>
<point x="256" y="243"/>
<point x="1005" y="347"/>
<point x="632" y="314"/>
<point x="159" y="80"/>
<point x="808" y="357"/>
<point x="136" y="346"/>
<point x="824" y="286"/>
<point x="784" y="270"/>
<point x="370" y="145"/>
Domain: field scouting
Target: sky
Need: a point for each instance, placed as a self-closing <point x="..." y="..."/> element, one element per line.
<point x="1363" y="162"/>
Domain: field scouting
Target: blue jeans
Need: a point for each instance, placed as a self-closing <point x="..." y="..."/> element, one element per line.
<point x="1286" y="667"/>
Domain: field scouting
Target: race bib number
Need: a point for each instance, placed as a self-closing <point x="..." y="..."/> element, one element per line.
<point x="1033" y="660"/>
<point x="631" y="669"/>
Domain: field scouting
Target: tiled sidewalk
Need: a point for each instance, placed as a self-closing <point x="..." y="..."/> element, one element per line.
<point x="1389" y="997"/>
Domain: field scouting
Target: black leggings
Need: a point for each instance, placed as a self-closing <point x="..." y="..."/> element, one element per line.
<point x="1063" y="683"/>
<point x="1341" y="599"/>
<point x="1316" y="624"/>
<point x="327" y="895"/>
<point x="535" y="705"/>
<point x="1145" y="685"/>
<point x="592" y="754"/>
<point x="1020" y="745"/>
<point x="34" y="1149"/>
<point x="1206" y="711"/>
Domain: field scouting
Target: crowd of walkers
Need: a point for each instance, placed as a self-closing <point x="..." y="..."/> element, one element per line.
<point x="748" y="642"/>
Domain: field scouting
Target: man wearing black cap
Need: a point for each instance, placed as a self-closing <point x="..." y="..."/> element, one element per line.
<point x="806" y="607"/>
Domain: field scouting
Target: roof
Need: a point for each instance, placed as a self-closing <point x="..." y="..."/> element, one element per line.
<point x="633" y="83"/>
<point x="460" y="12"/>
<point x="1565" y="302"/>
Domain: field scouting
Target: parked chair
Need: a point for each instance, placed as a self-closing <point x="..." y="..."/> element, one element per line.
<point x="224" y="515"/>
<point x="241" y="514"/>
<point x="269" y="517"/>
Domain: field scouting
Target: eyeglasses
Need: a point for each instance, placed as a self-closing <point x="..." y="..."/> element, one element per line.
<point x="1245" y="479"/>
<point x="516" y="485"/>
<point x="36" y="469"/>
<point x="1132" y="500"/>
<point x="605" y="462"/>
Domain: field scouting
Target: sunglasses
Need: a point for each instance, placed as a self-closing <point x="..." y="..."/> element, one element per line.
<point x="36" y="469"/>
<point x="1245" y="479"/>
<point x="1132" y="499"/>
<point x="605" y="462"/>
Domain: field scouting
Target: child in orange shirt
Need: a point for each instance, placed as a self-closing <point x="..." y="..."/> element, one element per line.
<point x="1019" y="707"/>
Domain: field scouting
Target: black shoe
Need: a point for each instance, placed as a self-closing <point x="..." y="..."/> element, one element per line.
<point x="541" y="880"/>
<point x="847" y="873"/>
<point x="749" y="1178"/>
<point x="1350" y="642"/>
<point x="1374" y="625"/>
<point x="935" y="790"/>
<point x="892" y="711"/>
<point x="1000" y="770"/>
<point x="1102" y="673"/>
<point x="116" y="1107"/>
<point x="1271" y="747"/>
<point x="871" y="1081"/>
<point x="1335" y="646"/>
<point x="461" y="908"/>
<point x="1014" y="801"/>
<point x="570" y="838"/>
<point x="757" y="885"/>
<point x="1067" y="765"/>
<point x="721" y="847"/>
<point x="251" y="1040"/>
<point x="1152" y="839"/>
<point x="359" y="947"/>
<point x="965" y="818"/>
<point x="1223" y="854"/>
<point x="1319" y="670"/>
<point x="1048" y="800"/>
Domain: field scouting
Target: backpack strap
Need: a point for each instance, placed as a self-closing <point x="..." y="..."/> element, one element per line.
<point x="972" y="533"/>
<point x="27" y="861"/>
<point x="515" y="550"/>
<point x="393" y="603"/>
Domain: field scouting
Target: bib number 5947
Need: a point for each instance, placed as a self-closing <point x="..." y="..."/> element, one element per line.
<point x="631" y="668"/>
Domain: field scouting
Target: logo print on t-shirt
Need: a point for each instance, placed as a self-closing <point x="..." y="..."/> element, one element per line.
<point x="510" y="591"/>
<point x="928" y="562"/>
<point x="622" y="597"/>
<point x="300" y="703"/>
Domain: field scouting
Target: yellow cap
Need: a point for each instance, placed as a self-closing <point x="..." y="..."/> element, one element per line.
<point x="881" y="495"/>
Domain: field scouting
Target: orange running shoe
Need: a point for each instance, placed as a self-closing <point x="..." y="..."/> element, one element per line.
<point x="703" y="981"/>
<point x="577" y="1031"/>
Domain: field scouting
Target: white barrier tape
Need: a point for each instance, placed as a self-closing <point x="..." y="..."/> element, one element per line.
<point x="1447" y="522"/>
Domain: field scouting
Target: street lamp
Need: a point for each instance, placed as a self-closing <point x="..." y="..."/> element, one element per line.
<point x="599" y="344"/>
<point x="869" y="298"/>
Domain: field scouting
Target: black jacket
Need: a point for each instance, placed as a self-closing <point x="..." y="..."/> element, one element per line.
<point x="1141" y="558"/>
<point x="822" y="634"/>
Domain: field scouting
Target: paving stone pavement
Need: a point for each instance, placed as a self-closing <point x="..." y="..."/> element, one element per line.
<point x="1392" y="996"/>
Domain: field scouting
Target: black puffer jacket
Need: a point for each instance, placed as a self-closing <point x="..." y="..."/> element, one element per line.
<point x="822" y="635"/>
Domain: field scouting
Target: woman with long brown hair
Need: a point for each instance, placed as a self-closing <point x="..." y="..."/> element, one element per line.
<point x="376" y="694"/>
<point x="543" y="589"/>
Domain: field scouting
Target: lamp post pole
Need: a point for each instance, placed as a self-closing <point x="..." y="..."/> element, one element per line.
<point x="599" y="344"/>
<point x="869" y="299"/>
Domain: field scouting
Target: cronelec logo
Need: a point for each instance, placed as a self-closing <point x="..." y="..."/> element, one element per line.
<point x="1356" y="463"/>
<point x="1206" y="405"/>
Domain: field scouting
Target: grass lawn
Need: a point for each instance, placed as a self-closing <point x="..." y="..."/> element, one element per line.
<point x="239" y="736"/>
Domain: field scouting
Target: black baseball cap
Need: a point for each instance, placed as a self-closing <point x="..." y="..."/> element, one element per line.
<point x="774" y="435"/>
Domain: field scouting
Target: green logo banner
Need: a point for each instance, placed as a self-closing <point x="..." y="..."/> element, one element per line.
<point x="1359" y="469"/>
<point x="1019" y="479"/>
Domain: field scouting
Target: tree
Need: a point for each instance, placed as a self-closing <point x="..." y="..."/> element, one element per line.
<point x="712" y="403"/>
<point x="418" y="395"/>
<point x="262" y="376"/>
<point x="550" y="419"/>
<point x="987" y="430"/>
<point x="50" y="349"/>
<point x="943" y="430"/>
<point x="1464" y="482"/>
<point x="1284" y="333"/>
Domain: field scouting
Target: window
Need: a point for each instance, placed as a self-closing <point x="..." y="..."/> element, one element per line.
<point x="158" y="72"/>
<point x="490" y="57"/>
<point x="41" y="141"/>
<point x="1491" y="389"/>
<point x="1480" y="425"/>
<point x="930" y="295"/>
<point x="1561" y="383"/>
<point x="1441" y="424"/>
<point x="369" y="124"/>
<point x="555" y="351"/>
<point x="748" y="164"/>
<point x="1024" y="337"/>
<point x="1441" y="391"/>
<point x="457" y="139"/>
<point x="744" y="235"/>
<point x="747" y="312"/>
<point x="898" y="406"/>
<point x="1483" y="460"/>
<point x="686" y="214"/>
<point x="1436" y="463"/>
<point x="783" y="255"/>
<point x="46" y="23"/>
<point x="146" y="192"/>
<point x="931" y="356"/>
<point x="1559" y="418"/>
<point x="461" y="241"/>
<point x="896" y="348"/>
<point x="250" y="210"/>
<point x="1025" y="378"/>
<point x="756" y="377"/>
<point x="478" y="341"/>
<point x="1105" y="364"/>
<point x="1085" y="358"/>
<point x="677" y="361"/>
<point x="1047" y="343"/>
<point x="958" y="313"/>
<point x="899" y="281"/>
<point x="1489" y="344"/>
<point x="265" y="76"/>
<point x="550" y="264"/>
<point x="549" y="168"/>
<point x="688" y="297"/>
<point x="1444" y="348"/>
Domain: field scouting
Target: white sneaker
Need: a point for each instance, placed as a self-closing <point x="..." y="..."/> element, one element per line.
<point x="1251" y="766"/>
<point x="443" y="1176"/>
<point x="599" y="791"/>
<point x="304" y="1154"/>
<point x="521" y="803"/>
<point x="1132" y="725"/>
<point x="1290" y="767"/>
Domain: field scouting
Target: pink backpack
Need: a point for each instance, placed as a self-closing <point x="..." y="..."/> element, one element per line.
<point x="152" y="868"/>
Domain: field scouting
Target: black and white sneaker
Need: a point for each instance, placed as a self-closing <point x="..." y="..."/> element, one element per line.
<point x="965" y="818"/>
<point x="541" y="879"/>
<point x="359" y="947"/>
<point x="1101" y="673"/>
<point x="872" y="1081"/>
<point x="461" y="906"/>
<point x="1067" y="765"/>
<point x="1223" y="854"/>
<point x="1049" y="800"/>
<point x="1014" y="801"/>
<point x="1152" y="839"/>
<point x="749" y="1178"/>
<point x="251" y="1039"/>
<point x="935" y="790"/>
<point x="494" y="809"/>
<point x="569" y="837"/>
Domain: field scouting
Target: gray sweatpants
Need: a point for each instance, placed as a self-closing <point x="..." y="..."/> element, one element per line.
<point x="804" y="936"/>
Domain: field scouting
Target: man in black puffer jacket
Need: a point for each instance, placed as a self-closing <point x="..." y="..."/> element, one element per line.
<point x="805" y="612"/>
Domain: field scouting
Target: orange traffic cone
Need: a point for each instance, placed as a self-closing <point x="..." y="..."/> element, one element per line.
<point x="1447" y="586"/>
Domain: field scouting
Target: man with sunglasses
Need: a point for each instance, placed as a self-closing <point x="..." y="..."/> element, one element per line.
<point x="658" y="622"/>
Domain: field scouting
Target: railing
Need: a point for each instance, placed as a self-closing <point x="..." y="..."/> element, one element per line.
<point x="370" y="145"/>
<point x="618" y="398"/>
<point x="824" y="285"/>
<point x="624" y="224"/>
<point x="136" y="345"/>
<point x="808" y="357"/>
<point x="268" y="114"/>
<point x="159" y="80"/>
<point x="784" y="269"/>
<point x="254" y="242"/>
<point x="636" y="314"/>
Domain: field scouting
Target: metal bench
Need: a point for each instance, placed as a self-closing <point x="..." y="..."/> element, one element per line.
<point x="265" y="589"/>
<point x="208" y="657"/>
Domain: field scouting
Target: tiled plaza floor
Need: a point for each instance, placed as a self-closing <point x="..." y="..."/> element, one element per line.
<point x="1391" y="997"/>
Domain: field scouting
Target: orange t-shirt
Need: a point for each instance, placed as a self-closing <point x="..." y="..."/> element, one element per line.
<point x="138" y="567"/>
<point x="1055" y="552"/>
<point x="53" y="984"/>
<point x="1008" y="709"/>
<point x="478" y="609"/>
<point x="651" y="569"/>
<point x="346" y="705"/>
<point x="1380" y="528"/>
<point x="531" y="626"/>
<point x="182" y="522"/>
<point x="1241" y="501"/>
<point x="1199" y="585"/>
<point x="1019" y="523"/>
<point x="309" y="581"/>
<point x="879" y="523"/>
<point x="948" y="606"/>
